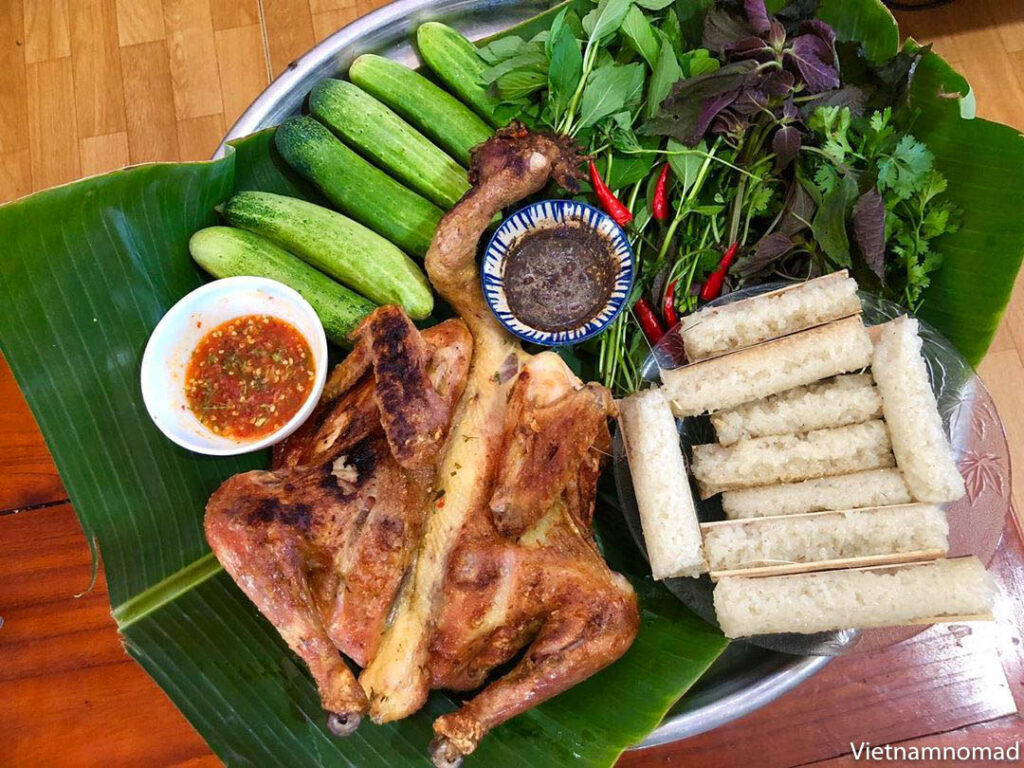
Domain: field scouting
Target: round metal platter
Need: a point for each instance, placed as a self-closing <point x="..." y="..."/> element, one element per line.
<point x="745" y="677"/>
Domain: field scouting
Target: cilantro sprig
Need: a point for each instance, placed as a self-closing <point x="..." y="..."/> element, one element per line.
<point x="901" y="207"/>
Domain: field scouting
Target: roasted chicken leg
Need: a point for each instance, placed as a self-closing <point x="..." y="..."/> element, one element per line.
<point x="430" y="533"/>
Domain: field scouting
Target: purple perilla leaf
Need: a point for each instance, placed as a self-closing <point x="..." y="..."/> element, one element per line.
<point x="786" y="145"/>
<point x="757" y="15"/>
<point x="869" y="230"/>
<point x="769" y="249"/>
<point x="694" y="102"/>
<point x="776" y="37"/>
<point x="789" y="111"/>
<point x="750" y="101"/>
<point x="751" y="48"/>
<point x="798" y="209"/>
<point x="710" y="108"/>
<point x="853" y="96"/>
<point x="814" y="59"/>
<point x="820" y="29"/>
<point x="813" y="53"/>
<point x="722" y="30"/>
<point x="731" y="124"/>
<point x="778" y="83"/>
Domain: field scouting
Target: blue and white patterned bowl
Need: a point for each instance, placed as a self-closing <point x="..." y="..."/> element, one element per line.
<point x="545" y="213"/>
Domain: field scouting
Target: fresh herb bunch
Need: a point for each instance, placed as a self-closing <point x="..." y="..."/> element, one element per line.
<point x="770" y="151"/>
<point x="898" y="208"/>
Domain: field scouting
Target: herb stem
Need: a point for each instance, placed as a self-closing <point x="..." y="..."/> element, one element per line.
<point x="589" y="56"/>
<point x="677" y="153"/>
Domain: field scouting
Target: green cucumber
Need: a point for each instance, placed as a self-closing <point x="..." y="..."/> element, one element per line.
<point x="335" y="244"/>
<point x="357" y="188"/>
<point x="380" y="135"/>
<point x="434" y="111"/>
<point x="456" y="61"/>
<point x="229" y="252"/>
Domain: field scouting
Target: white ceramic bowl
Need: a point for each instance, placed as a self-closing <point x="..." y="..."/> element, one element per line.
<point x="176" y="335"/>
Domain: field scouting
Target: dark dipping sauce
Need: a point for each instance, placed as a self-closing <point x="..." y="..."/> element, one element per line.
<point x="560" y="277"/>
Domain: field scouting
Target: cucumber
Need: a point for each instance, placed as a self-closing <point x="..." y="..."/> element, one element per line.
<point x="434" y="111"/>
<point x="380" y="135"/>
<point x="356" y="187"/>
<point x="455" y="60"/>
<point x="229" y="252"/>
<point x="335" y="244"/>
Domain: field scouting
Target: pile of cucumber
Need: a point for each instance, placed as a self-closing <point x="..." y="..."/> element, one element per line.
<point x="389" y="149"/>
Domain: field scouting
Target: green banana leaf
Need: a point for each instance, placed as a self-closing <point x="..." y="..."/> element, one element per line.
<point x="983" y="162"/>
<point x="867" y="22"/>
<point x="88" y="270"/>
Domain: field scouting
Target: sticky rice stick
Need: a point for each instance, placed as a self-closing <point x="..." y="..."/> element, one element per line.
<point x="661" y="485"/>
<point x="849" y="399"/>
<point x="825" y="540"/>
<point x="919" y="441"/>
<point x="767" y="369"/>
<point x="872" y="488"/>
<point x="716" y="331"/>
<point x="925" y="593"/>
<point x="788" y="458"/>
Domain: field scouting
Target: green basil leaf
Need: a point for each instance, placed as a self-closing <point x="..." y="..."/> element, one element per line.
<point x="519" y="84"/>
<point x="686" y="162"/>
<point x="564" y="70"/>
<point x="829" y="226"/>
<point x="555" y="31"/>
<point x="531" y="58"/>
<point x="499" y="50"/>
<point x="575" y="23"/>
<point x="608" y="90"/>
<point x="605" y="20"/>
<point x="672" y="31"/>
<point x="698" y="62"/>
<point x="665" y="73"/>
<point x="641" y="35"/>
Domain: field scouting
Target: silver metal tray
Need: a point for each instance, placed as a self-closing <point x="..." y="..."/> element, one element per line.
<point x="744" y="678"/>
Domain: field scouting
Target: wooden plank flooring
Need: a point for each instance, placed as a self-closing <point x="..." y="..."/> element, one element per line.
<point x="87" y="86"/>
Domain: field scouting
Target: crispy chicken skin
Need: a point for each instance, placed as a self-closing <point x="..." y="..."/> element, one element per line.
<point x="321" y="542"/>
<point x="432" y="520"/>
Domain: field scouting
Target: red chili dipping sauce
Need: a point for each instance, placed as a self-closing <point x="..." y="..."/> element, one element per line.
<point x="249" y="376"/>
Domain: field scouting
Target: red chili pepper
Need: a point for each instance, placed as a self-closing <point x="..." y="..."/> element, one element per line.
<point x="611" y="204"/>
<point x="668" y="306"/>
<point x="660" y="203"/>
<point x="713" y="285"/>
<point x="648" y="321"/>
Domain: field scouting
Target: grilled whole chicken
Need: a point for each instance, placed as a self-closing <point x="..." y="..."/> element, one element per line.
<point x="433" y="518"/>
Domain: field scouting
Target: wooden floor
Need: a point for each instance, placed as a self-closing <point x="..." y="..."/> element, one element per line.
<point x="87" y="86"/>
